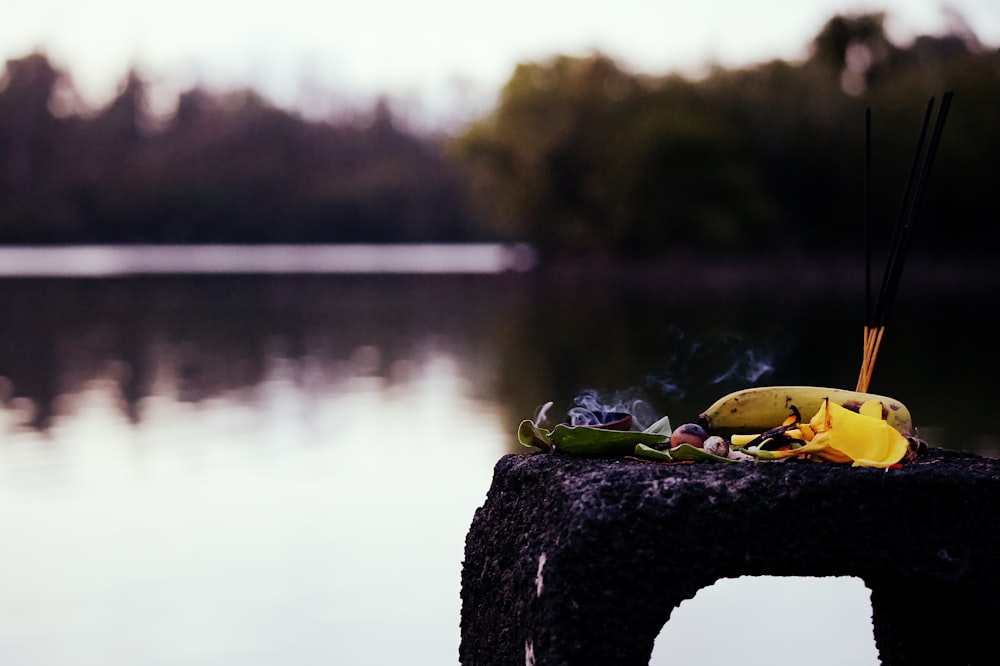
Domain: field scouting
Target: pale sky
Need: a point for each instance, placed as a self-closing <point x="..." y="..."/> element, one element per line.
<point x="442" y="57"/>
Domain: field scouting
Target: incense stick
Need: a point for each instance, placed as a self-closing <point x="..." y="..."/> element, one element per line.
<point x="873" y="336"/>
<point x="893" y="266"/>
<point x="901" y="237"/>
<point x="866" y="224"/>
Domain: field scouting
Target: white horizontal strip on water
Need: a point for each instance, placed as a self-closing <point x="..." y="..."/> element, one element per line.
<point x="114" y="260"/>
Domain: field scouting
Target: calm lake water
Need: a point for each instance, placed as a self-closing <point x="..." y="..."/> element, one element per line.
<point x="262" y="470"/>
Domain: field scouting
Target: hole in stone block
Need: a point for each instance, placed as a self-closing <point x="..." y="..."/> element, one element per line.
<point x="771" y="620"/>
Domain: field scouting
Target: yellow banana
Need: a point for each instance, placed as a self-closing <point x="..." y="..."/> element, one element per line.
<point x="758" y="409"/>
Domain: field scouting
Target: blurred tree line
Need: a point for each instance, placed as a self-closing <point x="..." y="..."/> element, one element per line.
<point x="579" y="155"/>
<point x="223" y="168"/>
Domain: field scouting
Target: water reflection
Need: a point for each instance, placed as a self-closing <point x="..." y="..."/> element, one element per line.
<point x="288" y="520"/>
<point x="195" y="340"/>
<point x="519" y="341"/>
<point x="260" y="470"/>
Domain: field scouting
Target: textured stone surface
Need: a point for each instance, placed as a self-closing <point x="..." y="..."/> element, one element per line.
<point x="580" y="561"/>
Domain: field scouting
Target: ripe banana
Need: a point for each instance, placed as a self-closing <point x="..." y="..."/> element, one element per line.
<point x="758" y="409"/>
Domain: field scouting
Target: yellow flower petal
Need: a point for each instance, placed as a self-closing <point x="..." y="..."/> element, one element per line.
<point x="837" y="434"/>
<point x="818" y="448"/>
<point x="872" y="408"/>
<point x="742" y="440"/>
<point x="820" y="422"/>
<point x="866" y="440"/>
<point x="806" y="432"/>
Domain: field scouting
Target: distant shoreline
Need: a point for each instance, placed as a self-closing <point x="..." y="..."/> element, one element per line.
<point x="95" y="261"/>
<point x="683" y="271"/>
<point x="714" y="273"/>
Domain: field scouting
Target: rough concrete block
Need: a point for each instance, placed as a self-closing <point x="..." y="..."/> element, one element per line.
<point x="581" y="561"/>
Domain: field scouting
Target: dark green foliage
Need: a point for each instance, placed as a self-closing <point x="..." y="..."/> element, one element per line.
<point x="225" y="168"/>
<point x="579" y="156"/>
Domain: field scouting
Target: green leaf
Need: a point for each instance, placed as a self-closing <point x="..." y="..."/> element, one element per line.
<point x="678" y="453"/>
<point x="661" y="427"/>
<point x="649" y="453"/>
<point x="600" y="442"/>
<point x="532" y="436"/>
<point x="689" y="452"/>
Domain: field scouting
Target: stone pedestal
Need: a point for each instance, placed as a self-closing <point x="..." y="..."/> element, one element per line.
<point x="580" y="561"/>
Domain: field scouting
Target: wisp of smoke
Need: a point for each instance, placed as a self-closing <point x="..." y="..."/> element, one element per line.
<point x="674" y="377"/>
<point x="748" y="367"/>
<point x="590" y="407"/>
<point x="691" y="363"/>
<point x="727" y="357"/>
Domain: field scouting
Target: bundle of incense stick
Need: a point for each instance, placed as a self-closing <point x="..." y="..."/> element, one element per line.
<point x="875" y="317"/>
